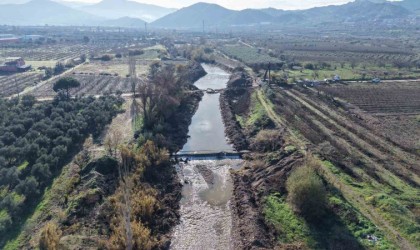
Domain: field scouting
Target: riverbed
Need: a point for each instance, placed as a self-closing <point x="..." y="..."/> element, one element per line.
<point x="206" y="215"/>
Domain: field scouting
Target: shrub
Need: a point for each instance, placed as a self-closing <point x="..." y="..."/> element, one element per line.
<point x="5" y="220"/>
<point x="59" y="68"/>
<point x="306" y="192"/>
<point x="267" y="141"/>
<point x="135" y="52"/>
<point x="106" y="58"/>
<point x="309" y="66"/>
<point x="50" y="236"/>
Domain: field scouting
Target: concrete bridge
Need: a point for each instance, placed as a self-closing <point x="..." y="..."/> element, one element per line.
<point x="207" y="154"/>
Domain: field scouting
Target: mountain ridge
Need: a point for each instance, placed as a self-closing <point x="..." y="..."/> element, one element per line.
<point x="114" y="9"/>
<point x="42" y="12"/>
<point x="214" y="15"/>
<point x="115" y="13"/>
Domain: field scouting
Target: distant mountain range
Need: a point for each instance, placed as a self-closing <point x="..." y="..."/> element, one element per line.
<point x="358" y="11"/>
<point x="40" y="12"/>
<point x="113" y="9"/>
<point x="126" y="13"/>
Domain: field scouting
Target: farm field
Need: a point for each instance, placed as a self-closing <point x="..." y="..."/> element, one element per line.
<point x="37" y="64"/>
<point x="351" y="58"/>
<point x="391" y="107"/>
<point x="48" y="52"/>
<point x="346" y="72"/>
<point x="386" y="98"/>
<point x="248" y="55"/>
<point x="15" y="83"/>
<point x="370" y="169"/>
<point x="90" y="85"/>
<point x="116" y="66"/>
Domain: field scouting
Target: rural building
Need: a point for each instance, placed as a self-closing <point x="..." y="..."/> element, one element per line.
<point x="31" y="38"/>
<point x="14" y="64"/>
<point x="8" y="38"/>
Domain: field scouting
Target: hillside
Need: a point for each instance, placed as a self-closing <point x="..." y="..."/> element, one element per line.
<point x="128" y="22"/>
<point x="121" y="8"/>
<point x="41" y="12"/>
<point x="217" y="16"/>
<point x="193" y="16"/>
<point x="409" y="4"/>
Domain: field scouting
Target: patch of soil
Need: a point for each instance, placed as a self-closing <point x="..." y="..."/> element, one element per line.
<point x="207" y="174"/>
<point x="251" y="184"/>
<point x="167" y="216"/>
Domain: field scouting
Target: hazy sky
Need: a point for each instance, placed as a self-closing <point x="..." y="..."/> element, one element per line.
<point x="242" y="4"/>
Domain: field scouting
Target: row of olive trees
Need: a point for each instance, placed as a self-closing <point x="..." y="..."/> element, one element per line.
<point x="35" y="141"/>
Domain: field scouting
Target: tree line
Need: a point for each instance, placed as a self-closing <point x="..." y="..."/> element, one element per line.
<point x="37" y="139"/>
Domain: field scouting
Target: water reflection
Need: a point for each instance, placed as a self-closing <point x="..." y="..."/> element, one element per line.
<point x="207" y="131"/>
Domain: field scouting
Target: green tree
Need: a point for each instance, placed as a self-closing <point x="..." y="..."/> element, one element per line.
<point x="59" y="68"/>
<point x="86" y="39"/>
<point x="28" y="101"/>
<point x="306" y="192"/>
<point x="66" y="83"/>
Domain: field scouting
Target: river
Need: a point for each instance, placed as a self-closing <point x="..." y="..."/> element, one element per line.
<point x="206" y="215"/>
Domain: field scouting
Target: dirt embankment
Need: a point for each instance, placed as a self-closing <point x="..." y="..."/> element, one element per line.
<point x="258" y="178"/>
<point x="233" y="128"/>
<point x="195" y="71"/>
<point x="235" y="100"/>
<point x="239" y="79"/>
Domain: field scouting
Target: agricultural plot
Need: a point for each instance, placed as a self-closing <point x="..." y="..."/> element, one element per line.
<point x="248" y="55"/>
<point x="390" y="98"/>
<point x="391" y="108"/>
<point x="57" y="52"/>
<point x="337" y="56"/>
<point x="378" y="176"/>
<point x="351" y="58"/>
<point x="16" y="83"/>
<point x="90" y="85"/>
<point x="346" y="72"/>
<point x="115" y="67"/>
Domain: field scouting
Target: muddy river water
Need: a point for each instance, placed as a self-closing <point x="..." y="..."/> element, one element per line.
<point x="206" y="216"/>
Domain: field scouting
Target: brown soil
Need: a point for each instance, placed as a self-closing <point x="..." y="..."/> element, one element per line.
<point x="251" y="185"/>
<point x="233" y="129"/>
<point x="207" y="174"/>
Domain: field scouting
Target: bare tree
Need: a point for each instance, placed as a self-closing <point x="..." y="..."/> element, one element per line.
<point x="133" y="74"/>
<point x="160" y="94"/>
<point x="112" y="142"/>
